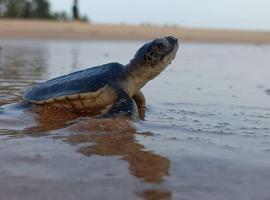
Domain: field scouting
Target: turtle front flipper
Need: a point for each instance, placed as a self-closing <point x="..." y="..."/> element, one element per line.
<point x="123" y="107"/>
<point x="140" y="101"/>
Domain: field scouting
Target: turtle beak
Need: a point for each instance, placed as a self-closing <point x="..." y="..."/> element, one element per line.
<point x="173" y="47"/>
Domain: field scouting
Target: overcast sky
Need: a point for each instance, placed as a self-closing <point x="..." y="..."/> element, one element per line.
<point x="235" y="14"/>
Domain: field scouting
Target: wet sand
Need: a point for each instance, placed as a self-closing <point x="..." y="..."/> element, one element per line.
<point x="206" y="134"/>
<point x="14" y="29"/>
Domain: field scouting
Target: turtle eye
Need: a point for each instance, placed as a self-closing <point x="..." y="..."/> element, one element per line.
<point x="160" y="46"/>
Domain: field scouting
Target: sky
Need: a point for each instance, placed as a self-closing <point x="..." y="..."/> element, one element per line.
<point x="229" y="14"/>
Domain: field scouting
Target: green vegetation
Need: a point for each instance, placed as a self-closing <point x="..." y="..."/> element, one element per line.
<point x="34" y="9"/>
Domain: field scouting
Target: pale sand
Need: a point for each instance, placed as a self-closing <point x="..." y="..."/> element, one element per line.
<point x="26" y="29"/>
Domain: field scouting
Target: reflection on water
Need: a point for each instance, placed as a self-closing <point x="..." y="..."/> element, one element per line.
<point x="118" y="139"/>
<point x="110" y="137"/>
<point x="155" y="195"/>
<point x="206" y="134"/>
<point x="103" y="137"/>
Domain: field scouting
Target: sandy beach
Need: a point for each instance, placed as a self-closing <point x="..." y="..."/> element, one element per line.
<point x="31" y="29"/>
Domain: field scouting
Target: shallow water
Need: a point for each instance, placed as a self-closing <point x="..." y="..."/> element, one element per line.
<point x="206" y="134"/>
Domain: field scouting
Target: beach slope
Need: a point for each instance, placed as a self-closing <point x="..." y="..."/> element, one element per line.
<point x="37" y="29"/>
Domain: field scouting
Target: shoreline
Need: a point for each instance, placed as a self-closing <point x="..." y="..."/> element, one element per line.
<point x="42" y="29"/>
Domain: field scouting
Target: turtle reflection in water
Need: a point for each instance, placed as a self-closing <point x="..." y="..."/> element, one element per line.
<point x="108" y="90"/>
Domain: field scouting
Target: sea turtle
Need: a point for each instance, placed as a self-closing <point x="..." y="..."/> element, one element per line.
<point x="108" y="90"/>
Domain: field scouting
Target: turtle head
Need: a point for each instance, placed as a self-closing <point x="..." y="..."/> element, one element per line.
<point x="156" y="55"/>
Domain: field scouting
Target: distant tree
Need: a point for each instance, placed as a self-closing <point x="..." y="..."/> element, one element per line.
<point x="26" y="9"/>
<point x="14" y="8"/>
<point x="40" y="9"/>
<point x="2" y="7"/>
<point x="37" y="9"/>
<point x="75" y="10"/>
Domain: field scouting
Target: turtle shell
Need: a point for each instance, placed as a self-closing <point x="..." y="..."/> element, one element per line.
<point x="85" y="89"/>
